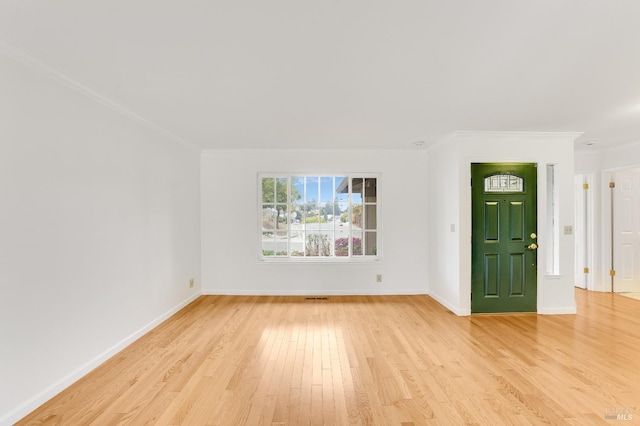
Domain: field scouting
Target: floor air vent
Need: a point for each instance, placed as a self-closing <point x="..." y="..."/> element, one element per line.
<point x="315" y="298"/>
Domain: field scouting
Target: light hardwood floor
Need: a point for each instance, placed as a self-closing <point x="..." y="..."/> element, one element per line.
<point x="400" y="360"/>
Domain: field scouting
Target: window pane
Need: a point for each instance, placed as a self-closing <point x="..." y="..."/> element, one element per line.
<point x="342" y="246"/>
<point x="371" y="243"/>
<point x="341" y="189"/>
<point x="296" y="241"/>
<point x="344" y="215"/>
<point x="553" y="223"/>
<point x="326" y="211"/>
<point x="281" y="248"/>
<point x="268" y="244"/>
<point x="356" y="190"/>
<point x="281" y="190"/>
<point x="336" y="214"/>
<point x="312" y="217"/>
<point x="370" y="190"/>
<point x="268" y="187"/>
<point x="297" y="189"/>
<point x="356" y="248"/>
<point x="503" y="183"/>
<point x="317" y="244"/>
<point x="370" y="218"/>
<point x="297" y="213"/>
<point x="268" y="217"/>
<point x="281" y="216"/>
<point x="311" y="195"/>
<point x="356" y="216"/>
<point x="326" y="190"/>
<point x="341" y="231"/>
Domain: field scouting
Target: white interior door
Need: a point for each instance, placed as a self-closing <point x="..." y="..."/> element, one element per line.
<point x="626" y="229"/>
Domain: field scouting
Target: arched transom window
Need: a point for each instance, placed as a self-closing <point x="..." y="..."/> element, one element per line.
<point x="503" y="183"/>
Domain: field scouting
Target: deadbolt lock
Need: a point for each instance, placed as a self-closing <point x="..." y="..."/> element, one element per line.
<point x="533" y="236"/>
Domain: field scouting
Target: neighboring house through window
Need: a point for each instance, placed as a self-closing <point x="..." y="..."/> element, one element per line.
<point x="319" y="216"/>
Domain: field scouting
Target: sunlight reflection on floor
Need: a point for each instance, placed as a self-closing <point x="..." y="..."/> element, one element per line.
<point x="631" y="295"/>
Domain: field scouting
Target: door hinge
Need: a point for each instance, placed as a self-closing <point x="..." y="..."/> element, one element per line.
<point x="612" y="272"/>
<point x="612" y="184"/>
<point x="585" y="186"/>
<point x="586" y="270"/>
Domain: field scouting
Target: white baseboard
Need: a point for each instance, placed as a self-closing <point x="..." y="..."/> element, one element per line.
<point x="459" y="312"/>
<point x="263" y="292"/>
<point x="35" y="402"/>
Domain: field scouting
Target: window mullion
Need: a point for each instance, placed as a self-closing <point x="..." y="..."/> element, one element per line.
<point x="304" y="216"/>
<point x="332" y="247"/>
<point x="288" y="213"/>
<point x="349" y="218"/>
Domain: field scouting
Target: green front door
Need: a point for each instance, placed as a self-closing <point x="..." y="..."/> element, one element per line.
<point x="504" y="261"/>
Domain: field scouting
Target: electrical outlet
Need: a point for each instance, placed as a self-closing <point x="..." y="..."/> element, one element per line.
<point x="191" y="283"/>
<point x="379" y="278"/>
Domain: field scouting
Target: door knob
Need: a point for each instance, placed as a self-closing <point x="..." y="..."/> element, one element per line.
<point x="532" y="246"/>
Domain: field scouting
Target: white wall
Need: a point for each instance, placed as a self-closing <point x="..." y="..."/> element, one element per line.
<point x="555" y="293"/>
<point x="99" y="226"/>
<point x="602" y="165"/>
<point x="229" y="224"/>
<point x="587" y="161"/>
<point x="624" y="156"/>
<point x="444" y="225"/>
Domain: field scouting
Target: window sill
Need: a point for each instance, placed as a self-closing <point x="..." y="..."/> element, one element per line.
<point x="333" y="260"/>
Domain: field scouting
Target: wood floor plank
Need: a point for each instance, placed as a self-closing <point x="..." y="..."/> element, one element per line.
<point x="364" y="360"/>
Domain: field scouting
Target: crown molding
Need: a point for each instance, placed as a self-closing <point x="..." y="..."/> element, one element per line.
<point x="18" y="55"/>
<point x="458" y="135"/>
<point x="512" y="135"/>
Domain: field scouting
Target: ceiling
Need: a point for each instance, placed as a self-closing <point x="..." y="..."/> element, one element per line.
<point x="258" y="74"/>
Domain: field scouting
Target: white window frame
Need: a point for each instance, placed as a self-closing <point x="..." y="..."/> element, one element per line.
<point x="552" y="236"/>
<point x="350" y="258"/>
